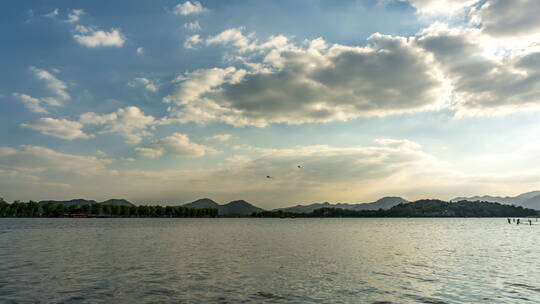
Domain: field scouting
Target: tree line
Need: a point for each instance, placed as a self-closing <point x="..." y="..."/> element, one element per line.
<point x="33" y="209"/>
<point x="421" y="208"/>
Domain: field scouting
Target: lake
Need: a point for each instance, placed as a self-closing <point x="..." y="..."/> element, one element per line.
<point x="345" y="260"/>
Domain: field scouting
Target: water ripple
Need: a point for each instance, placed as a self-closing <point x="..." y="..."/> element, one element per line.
<point x="268" y="261"/>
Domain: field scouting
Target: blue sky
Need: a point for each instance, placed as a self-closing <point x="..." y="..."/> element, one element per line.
<point x="170" y="101"/>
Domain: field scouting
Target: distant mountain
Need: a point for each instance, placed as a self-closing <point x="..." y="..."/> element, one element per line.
<point x="383" y="203"/>
<point x="240" y="207"/>
<point x="528" y="195"/>
<point x="532" y="203"/>
<point x="117" y="202"/>
<point x="310" y="208"/>
<point x="437" y="208"/>
<point x="528" y="199"/>
<point x="78" y="201"/>
<point x="420" y="208"/>
<point x="507" y="200"/>
<point x="81" y="202"/>
<point x="203" y="203"/>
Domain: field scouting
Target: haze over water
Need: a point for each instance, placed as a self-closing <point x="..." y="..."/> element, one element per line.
<point x="360" y="260"/>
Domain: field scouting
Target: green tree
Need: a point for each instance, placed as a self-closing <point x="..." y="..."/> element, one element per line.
<point x="159" y="211"/>
<point x="49" y="209"/>
<point x="133" y="211"/>
<point x="32" y="208"/>
<point x="96" y="209"/>
<point x="115" y="210"/>
<point x="169" y="211"/>
<point x="85" y="209"/>
<point x="107" y="209"/>
<point x="124" y="210"/>
<point x="3" y="207"/>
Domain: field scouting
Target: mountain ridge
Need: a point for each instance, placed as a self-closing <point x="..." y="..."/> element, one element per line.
<point x="386" y="202"/>
<point x="237" y="207"/>
<point x="529" y="199"/>
<point x="81" y="202"/>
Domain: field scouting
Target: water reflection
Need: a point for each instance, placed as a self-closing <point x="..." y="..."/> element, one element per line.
<point x="268" y="260"/>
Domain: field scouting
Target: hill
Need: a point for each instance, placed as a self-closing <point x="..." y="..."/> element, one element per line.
<point x="528" y="199"/>
<point x="438" y="208"/>
<point x="533" y="203"/>
<point x="82" y="202"/>
<point x="421" y="208"/>
<point x="202" y="203"/>
<point x="488" y="198"/>
<point x="239" y="208"/>
<point x="117" y="202"/>
<point x="73" y="202"/>
<point x="383" y="203"/>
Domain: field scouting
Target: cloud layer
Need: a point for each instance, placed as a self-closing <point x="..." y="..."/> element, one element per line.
<point x="177" y="144"/>
<point x="56" y="86"/>
<point x="473" y="58"/>
<point x="129" y="122"/>
<point x="92" y="38"/>
<point x="60" y="128"/>
<point x="316" y="83"/>
<point x="502" y="18"/>
<point x="189" y="8"/>
<point x="462" y="69"/>
<point x="33" y="104"/>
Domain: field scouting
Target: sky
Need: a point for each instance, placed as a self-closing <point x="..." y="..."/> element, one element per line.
<point x="275" y="102"/>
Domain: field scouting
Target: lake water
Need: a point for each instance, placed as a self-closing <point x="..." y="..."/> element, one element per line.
<point x="268" y="261"/>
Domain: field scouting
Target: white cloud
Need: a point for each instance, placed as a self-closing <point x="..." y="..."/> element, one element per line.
<point x="192" y="26"/>
<point x="323" y="164"/>
<point x="199" y="82"/>
<point x="56" y="86"/>
<point x="189" y="8"/>
<point x="498" y="18"/>
<point x="509" y="19"/>
<point x="33" y="104"/>
<point x="177" y="144"/>
<point x="39" y="159"/>
<point x="145" y="82"/>
<point x="336" y="174"/>
<point x="442" y="7"/>
<point x="29" y="16"/>
<point x="234" y="37"/>
<point x="140" y="50"/>
<point x="486" y="79"/>
<point x="315" y="83"/>
<point x="92" y="38"/>
<point x="327" y="173"/>
<point x="461" y="69"/>
<point x="192" y="42"/>
<point x="238" y="159"/>
<point x="53" y="13"/>
<point x="129" y="122"/>
<point x="75" y="15"/>
<point x="220" y="137"/>
<point x="61" y="128"/>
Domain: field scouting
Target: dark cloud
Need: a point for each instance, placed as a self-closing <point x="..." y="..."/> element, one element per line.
<point x="321" y="83"/>
<point x="484" y="83"/>
<point x="509" y="18"/>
